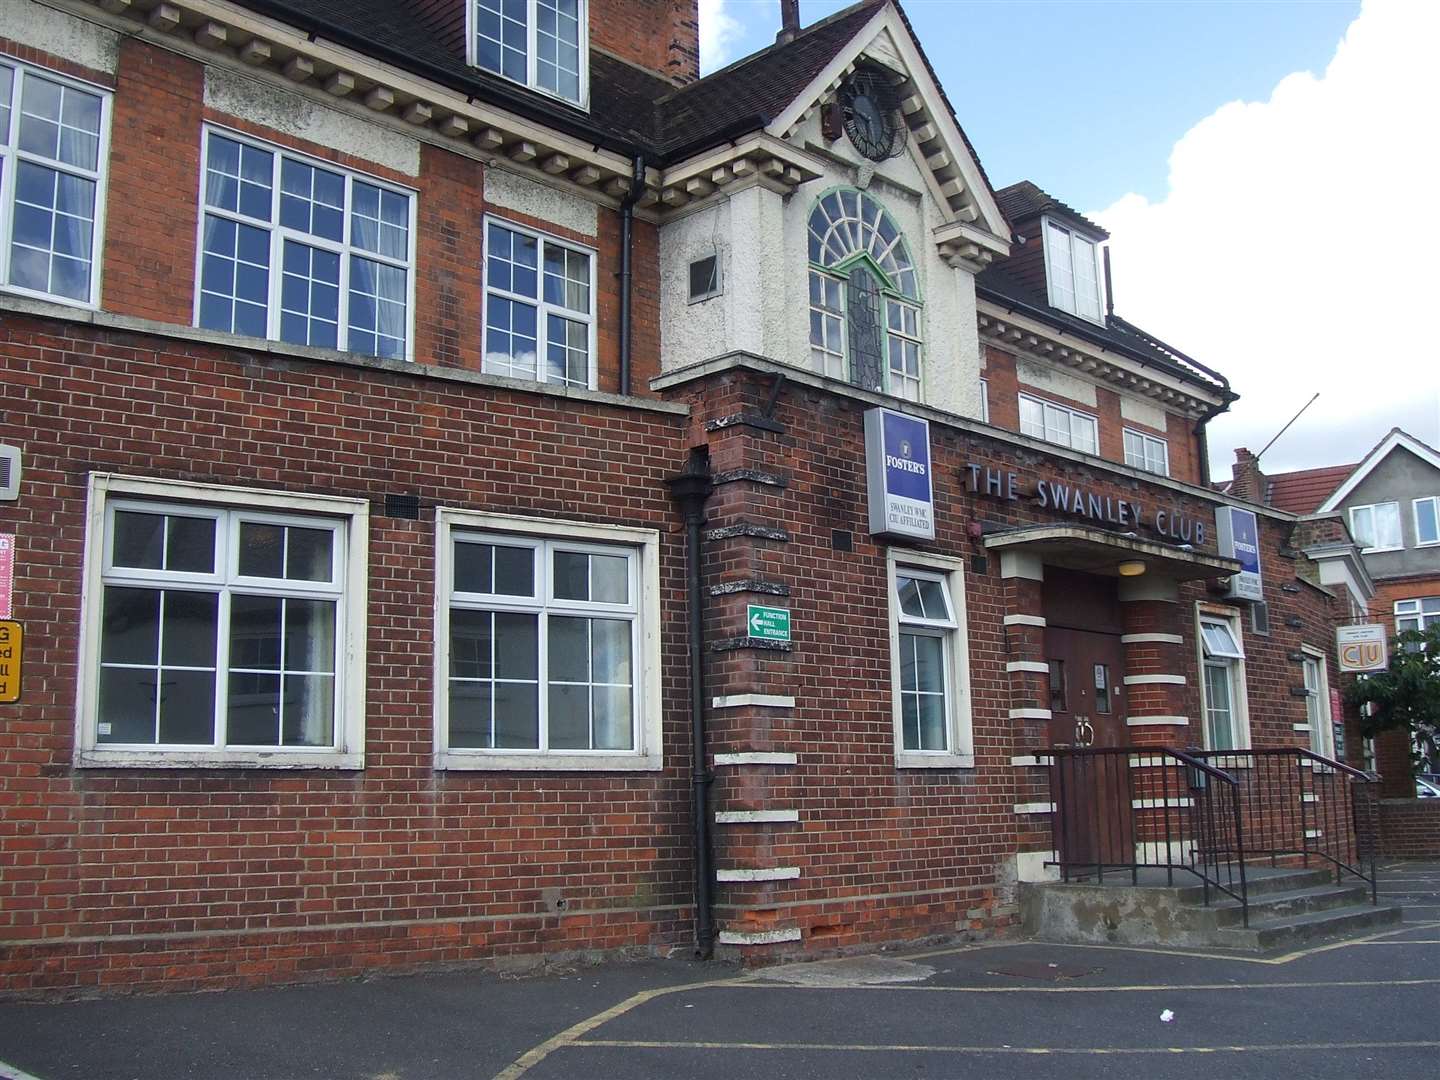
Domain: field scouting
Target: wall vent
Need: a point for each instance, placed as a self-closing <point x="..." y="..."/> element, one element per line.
<point x="9" y="473"/>
<point x="1260" y="618"/>
<point x="705" y="278"/>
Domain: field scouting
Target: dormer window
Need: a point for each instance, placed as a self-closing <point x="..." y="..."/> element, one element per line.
<point x="541" y="44"/>
<point x="1070" y="261"/>
<point x="864" y="300"/>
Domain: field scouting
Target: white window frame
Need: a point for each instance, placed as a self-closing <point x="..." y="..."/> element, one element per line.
<point x="645" y="543"/>
<point x="1050" y="226"/>
<point x="542" y="309"/>
<point x="1239" y="696"/>
<point x="1372" y="508"/>
<point x="984" y="400"/>
<point x="1434" y="501"/>
<point x="10" y="153"/>
<point x="959" y="721"/>
<point x="279" y="234"/>
<point x="1414" y="614"/>
<point x="1071" y="416"/>
<point x="352" y="517"/>
<point x="1317" y="702"/>
<point x="1148" y="444"/>
<point x="532" y="52"/>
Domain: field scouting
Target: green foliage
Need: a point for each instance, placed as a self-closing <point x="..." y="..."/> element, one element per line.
<point x="1406" y="695"/>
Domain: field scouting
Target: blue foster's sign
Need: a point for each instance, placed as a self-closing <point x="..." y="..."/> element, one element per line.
<point x="898" y="474"/>
<point x="1237" y="533"/>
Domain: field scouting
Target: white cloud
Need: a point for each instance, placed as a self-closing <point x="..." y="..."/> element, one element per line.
<point x="719" y="30"/>
<point x="1297" y="248"/>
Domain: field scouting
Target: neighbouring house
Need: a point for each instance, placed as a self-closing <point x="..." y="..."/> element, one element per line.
<point x="1390" y="501"/>
<point x="476" y="489"/>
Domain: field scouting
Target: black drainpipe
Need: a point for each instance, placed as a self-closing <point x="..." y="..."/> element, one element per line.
<point x="627" y="232"/>
<point x="690" y="489"/>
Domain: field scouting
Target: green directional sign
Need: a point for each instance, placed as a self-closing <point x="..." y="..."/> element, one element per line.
<point x="767" y="623"/>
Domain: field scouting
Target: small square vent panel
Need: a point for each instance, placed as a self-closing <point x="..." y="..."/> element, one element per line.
<point x="9" y="473"/>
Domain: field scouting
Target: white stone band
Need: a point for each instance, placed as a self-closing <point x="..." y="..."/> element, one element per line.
<point x="739" y="701"/>
<point x="755" y="757"/>
<point x="772" y="873"/>
<point x="1155" y="680"/>
<point x="754" y="817"/>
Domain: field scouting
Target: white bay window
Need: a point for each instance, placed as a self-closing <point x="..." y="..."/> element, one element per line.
<point x="1072" y="272"/>
<point x="1059" y="424"/>
<point x="539" y="307"/>
<point x="1148" y="452"/>
<point x="542" y="44"/>
<point x="930" y="674"/>
<point x="1376" y="527"/>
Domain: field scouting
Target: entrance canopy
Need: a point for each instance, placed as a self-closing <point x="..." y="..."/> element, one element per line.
<point x="1099" y="551"/>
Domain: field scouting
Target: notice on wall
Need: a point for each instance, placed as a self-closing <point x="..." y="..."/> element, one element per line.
<point x="898" y="473"/>
<point x="1365" y="647"/>
<point x="7" y="574"/>
<point x="1237" y="536"/>
<point x="12" y="641"/>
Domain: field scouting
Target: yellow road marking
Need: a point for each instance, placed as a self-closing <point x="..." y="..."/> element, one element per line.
<point x="1128" y="988"/>
<point x="959" y="1048"/>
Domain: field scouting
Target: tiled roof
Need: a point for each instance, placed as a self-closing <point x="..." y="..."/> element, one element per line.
<point x="998" y="285"/>
<point x="1025" y="200"/>
<point x="1303" y="491"/>
<point x="756" y="88"/>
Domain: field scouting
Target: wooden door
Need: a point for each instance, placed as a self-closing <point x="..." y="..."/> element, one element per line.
<point x="1093" y="792"/>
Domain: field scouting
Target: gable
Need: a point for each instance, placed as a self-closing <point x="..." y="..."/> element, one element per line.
<point x="1415" y="472"/>
<point x="952" y="169"/>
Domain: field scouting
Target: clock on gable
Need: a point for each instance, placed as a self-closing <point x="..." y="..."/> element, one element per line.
<point x="870" y="110"/>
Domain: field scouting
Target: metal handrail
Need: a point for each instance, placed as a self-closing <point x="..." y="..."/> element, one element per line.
<point x="1311" y="820"/>
<point x="1201" y="833"/>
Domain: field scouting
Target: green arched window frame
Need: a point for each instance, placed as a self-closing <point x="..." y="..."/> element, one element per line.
<point x="865" y="304"/>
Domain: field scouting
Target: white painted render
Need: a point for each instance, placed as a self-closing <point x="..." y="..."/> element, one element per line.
<point x="765" y="306"/>
<point x="1044" y="377"/>
<point x="1142" y="412"/>
<point x="274" y="107"/>
<point x="508" y="191"/>
<point x="60" y="34"/>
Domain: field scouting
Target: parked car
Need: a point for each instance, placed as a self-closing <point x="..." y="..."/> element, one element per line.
<point x="1427" y="787"/>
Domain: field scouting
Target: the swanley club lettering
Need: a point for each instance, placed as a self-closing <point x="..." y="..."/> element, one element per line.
<point x="1084" y="503"/>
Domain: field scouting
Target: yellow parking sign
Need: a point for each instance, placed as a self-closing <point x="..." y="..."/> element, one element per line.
<point x="12" y="640"/>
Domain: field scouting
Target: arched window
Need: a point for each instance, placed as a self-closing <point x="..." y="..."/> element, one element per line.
<point x="864" y="303"/>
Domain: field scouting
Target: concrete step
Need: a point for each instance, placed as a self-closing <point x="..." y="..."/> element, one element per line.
<point x="1270" y="906"/>
<point x="1291" y="931"/>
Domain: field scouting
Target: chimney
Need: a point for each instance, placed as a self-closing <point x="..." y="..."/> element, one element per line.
<point x="789" y="21"/>
<point x="1247" y="481"/>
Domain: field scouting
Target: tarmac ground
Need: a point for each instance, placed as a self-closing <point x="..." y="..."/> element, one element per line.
<point x="992" y="1011"/>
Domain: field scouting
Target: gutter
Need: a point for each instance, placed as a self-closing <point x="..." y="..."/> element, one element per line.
<point x="627" y="277"/>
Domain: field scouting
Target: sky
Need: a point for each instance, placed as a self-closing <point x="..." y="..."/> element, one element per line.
<point x="1264" y="169"/>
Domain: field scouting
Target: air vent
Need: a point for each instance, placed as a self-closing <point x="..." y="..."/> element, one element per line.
<point x="705" y="278"/>
<point x="9" y="473"/>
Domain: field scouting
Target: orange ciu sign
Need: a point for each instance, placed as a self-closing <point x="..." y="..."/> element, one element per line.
<point x="1363" y="648"/>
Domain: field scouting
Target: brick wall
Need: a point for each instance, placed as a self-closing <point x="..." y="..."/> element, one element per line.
<point x="1410" y="828"/>
<point x="140" y="879"/>
<point x="149" y="255"/>
<point x="929" y="850"/>
<point x="662" y="35"/>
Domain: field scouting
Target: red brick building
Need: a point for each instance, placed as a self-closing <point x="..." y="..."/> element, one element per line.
<point x="408" y="405"/>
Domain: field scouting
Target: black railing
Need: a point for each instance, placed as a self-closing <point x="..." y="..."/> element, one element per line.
<point x="1299" y="804"/>
<point x="1119" y="810"/>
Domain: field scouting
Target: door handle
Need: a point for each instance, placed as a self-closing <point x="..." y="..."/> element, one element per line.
<point x="1084" y="731"/>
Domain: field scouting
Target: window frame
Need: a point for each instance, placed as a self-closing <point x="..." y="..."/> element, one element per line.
<point x="960" y="751"/>
<point x="1434" y="501"/>
<point x="1418" y="615"/>
<point x="1052" y="290"/>
<point x="351" y="520"/>
<point x="984" y="400"/>
<point x="1235" y="665"/>
<point x="543" y="309"/>
<point x="1072" y="414"/>
<point x="1142" y="460"/>
<point x="1372" y="507"/>
<point x="648" y="754"/>
<point x="1314" y="659"/>
<point x="10" y="153"/>
<point x="279" y="234"/>
<point x="891" y="291"/>
<point x="532" y="53"/>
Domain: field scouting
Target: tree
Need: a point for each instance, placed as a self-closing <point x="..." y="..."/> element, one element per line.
<point x="1406" y="695"/>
